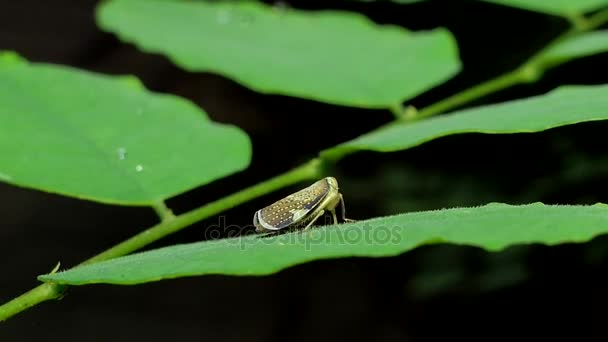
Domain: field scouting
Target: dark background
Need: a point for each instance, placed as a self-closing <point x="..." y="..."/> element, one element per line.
<point x="434" y="292"/>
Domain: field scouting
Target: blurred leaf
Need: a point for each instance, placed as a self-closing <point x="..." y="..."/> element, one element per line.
<point x="582" y="45"/>
<point x="555" y="7"/>
<point x="335" y="57"/>
<point x="493" y="227"/>
<point x="106" y="138"/>
<point x="563" y="106"/>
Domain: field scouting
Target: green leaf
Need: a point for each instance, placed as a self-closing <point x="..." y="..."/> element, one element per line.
<point x="563" y="106"/>
<point x="106" y="138"/>
<point x="493" y="227"/>
<point x="582" y="45"/>
<point x="336" y="57"/>
<point x="555" y="7"/>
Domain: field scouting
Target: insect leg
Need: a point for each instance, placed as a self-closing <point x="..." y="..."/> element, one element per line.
<point x="333" y="214"/>
<point x="321" y="212"/>
<point x="344" y="210"/>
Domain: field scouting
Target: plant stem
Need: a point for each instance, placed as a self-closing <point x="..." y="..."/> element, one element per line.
<point x="163" y="212"/>
<point x="488" y="87"/>
<point x="596" y="20"/>
<point x="48" y="291"/>
<point x="41" y="293"/>
<point x="397" y="111"/>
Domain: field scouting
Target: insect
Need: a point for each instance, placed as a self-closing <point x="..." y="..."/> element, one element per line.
<point x="301" y="209"/>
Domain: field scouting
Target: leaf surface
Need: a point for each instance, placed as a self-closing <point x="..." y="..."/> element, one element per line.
<point x="330" y="56"/>
<point x="566" y="105"/>
<point x="107" y="138"/>
<point x="492" y="227"/>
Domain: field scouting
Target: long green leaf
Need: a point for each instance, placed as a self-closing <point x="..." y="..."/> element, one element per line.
<point x="555" y="7"/>
<point x="493" y="227"/>
<point x="331" y="56"/>
<point x="106" y="138"/>
<point x="563" y="106"/>
<point x="579" y="46"/>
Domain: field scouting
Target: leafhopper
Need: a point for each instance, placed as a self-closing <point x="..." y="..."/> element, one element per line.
<point x="302" y="209"/>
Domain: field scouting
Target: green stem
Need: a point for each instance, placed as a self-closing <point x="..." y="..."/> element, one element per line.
<point x="596" y="20"/>
<point x="488" y="87"/>
<point x="49" y="291"/>
<point x="163" y="212"/>
<point x="39" y="294"/>
<point x="398" y="111"/>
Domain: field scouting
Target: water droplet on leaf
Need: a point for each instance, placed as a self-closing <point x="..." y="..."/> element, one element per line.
<point x="122" y="153"/>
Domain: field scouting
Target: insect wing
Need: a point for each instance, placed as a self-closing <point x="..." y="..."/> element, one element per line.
<point x="294" y="207"/>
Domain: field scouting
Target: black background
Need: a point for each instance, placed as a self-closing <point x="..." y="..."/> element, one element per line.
<point x="433" y="292"/>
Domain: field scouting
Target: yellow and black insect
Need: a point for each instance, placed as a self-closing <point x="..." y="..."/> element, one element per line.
<point x="300" y="210"/>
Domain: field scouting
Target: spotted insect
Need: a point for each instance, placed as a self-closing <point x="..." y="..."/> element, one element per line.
<point x="302" y="209"/>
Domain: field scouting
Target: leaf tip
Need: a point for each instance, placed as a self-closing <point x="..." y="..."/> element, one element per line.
<point x="10" y="57"/>
<point x="45" y="278"/>
<point x="132" y="82"/>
